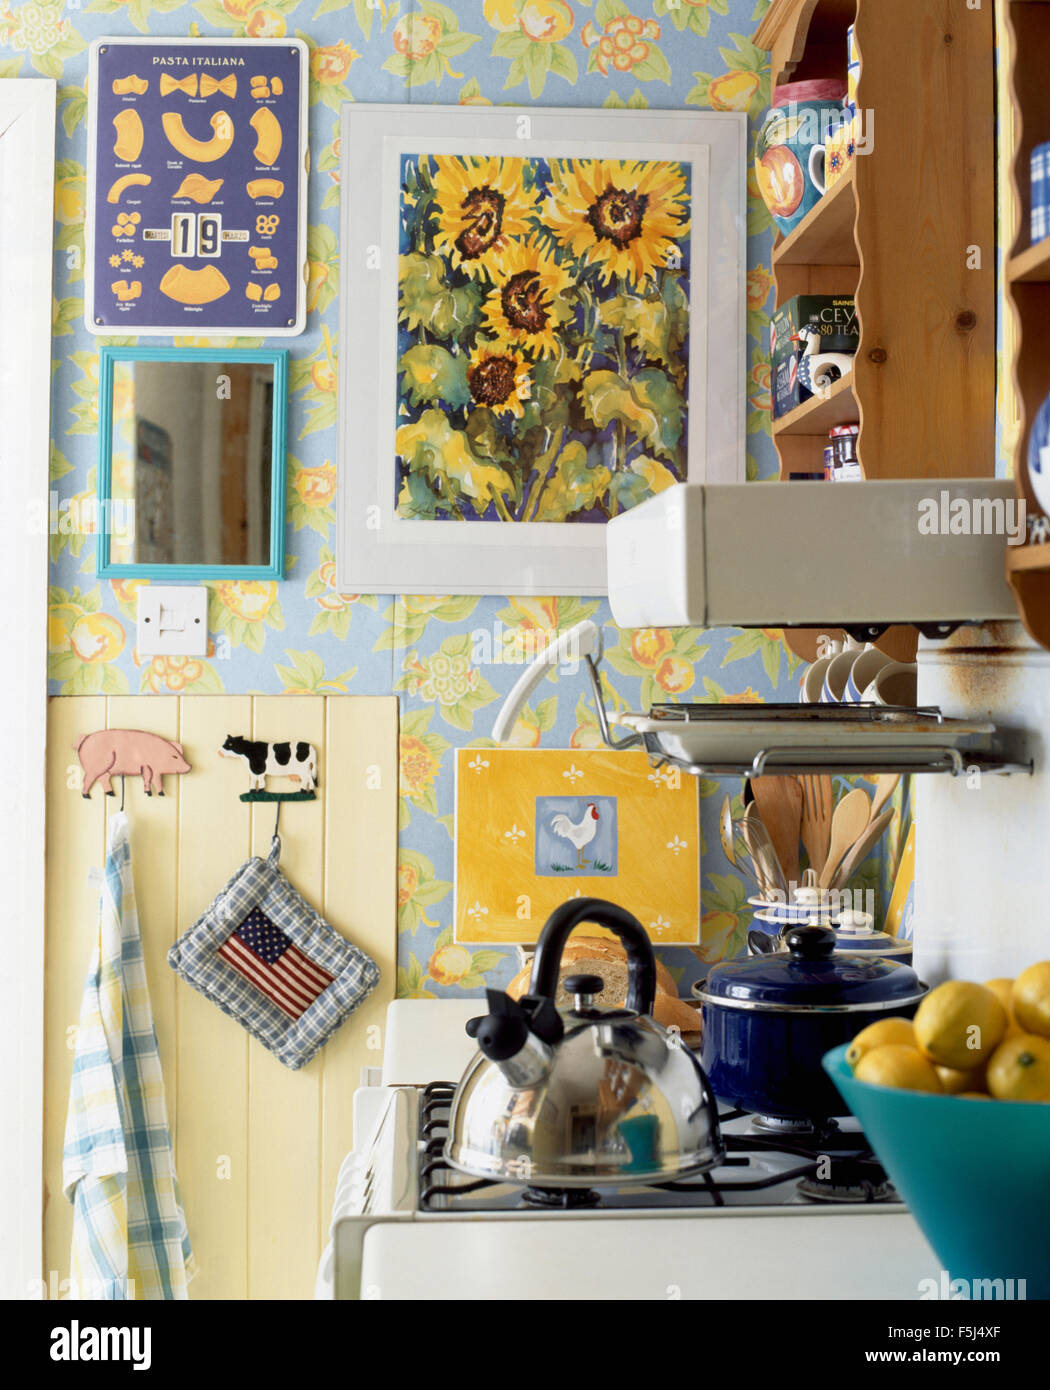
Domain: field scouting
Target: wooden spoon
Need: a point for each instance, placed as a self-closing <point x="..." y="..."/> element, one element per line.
<point x="816" y="817"/>
<point x="725" y="831"/>
<point x="847" y="826"/>
<point x="779" y="802"/>
<point x="862" y="848"/>
<point x="884" y="789"/>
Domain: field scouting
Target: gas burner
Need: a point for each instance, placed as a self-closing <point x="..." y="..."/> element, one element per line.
<point x="561" y="1198"/>
<point x="816" y="1191"/>
<point x="859" y="1180"/>
<point x="776" y="1124"/>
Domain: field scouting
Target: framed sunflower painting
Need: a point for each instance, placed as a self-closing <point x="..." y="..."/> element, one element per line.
<point x="543" y="325"/>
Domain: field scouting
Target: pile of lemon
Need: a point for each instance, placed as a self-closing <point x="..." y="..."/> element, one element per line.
<point x="983" y="1042"/>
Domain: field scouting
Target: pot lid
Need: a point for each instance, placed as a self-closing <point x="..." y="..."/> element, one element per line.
<point x="856" y="932"/>
<point x="813" y="973"/>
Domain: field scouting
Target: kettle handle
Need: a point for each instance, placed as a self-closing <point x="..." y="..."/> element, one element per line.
<point x="641" y="963"/>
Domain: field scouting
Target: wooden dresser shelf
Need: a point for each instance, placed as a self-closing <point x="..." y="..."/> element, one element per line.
<point x="1028" y="559"/>
<point x="1027" y="120"/>
<point x="820" y="413"/>
<point x="1031" y="266"/>
<point x="1028" y="574"/>
<point x="893" y="233"/>
<point x="825" y="234"/>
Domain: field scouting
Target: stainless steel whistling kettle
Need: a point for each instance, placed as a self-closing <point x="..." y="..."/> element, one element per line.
<point x="570" y="1098"/>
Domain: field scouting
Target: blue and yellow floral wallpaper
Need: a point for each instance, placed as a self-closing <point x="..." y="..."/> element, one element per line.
<point x="450" y="659"/>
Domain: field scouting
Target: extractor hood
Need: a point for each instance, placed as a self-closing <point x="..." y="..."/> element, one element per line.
<point x="929" y="552"/>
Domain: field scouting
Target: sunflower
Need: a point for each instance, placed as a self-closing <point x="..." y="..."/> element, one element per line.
<point x="621" y="215"/>
<point x="520" y="311"/>
<point x="482" y="204"/>
<point x="498" y="378"/>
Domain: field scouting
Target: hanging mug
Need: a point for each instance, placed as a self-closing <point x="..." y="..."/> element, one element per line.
<point x="789" y="152"/>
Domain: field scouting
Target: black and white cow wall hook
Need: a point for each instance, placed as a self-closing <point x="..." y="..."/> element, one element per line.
<point x="295" y="760"/>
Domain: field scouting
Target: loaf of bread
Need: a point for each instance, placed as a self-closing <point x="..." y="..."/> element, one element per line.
<point x="598" y="955"/>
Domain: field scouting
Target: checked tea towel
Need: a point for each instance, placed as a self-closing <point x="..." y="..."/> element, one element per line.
<point x="129" y="1233"/>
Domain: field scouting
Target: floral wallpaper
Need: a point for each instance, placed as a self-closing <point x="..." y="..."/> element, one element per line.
<point x="450" y="659"/>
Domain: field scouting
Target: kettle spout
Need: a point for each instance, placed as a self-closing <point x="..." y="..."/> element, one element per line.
<point x="505" y="1037"/>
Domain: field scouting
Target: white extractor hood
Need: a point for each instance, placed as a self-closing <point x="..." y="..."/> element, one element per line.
<point x="808" y="555"/>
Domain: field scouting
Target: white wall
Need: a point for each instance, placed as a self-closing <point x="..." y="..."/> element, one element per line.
<point x="27" y="157"/>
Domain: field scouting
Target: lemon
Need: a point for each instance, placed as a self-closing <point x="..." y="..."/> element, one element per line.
<point x="887" y="1030"/>
<point x="900" y="1066"/>
<point x="1020" y="1069"/>
<point x="1031" y="999"/>
<point x="960" y="1024"/>
<point x="958" y="1083"/>
<point x="1002" y="988"/>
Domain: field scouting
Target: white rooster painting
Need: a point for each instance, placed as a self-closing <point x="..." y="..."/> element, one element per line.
<point x="576" y="835"/>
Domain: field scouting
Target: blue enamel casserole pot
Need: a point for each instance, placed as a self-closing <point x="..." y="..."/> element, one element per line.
<point x="769" y="1019"/>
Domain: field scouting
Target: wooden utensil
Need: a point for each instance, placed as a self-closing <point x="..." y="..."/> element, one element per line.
<point x="816" y="817"/>
<point x="884" y="789"/>
<point x="863" y="847"/>
<point x="779" y="802"/>
<point x="725" y="830"/>
<point x="848" y="824"/>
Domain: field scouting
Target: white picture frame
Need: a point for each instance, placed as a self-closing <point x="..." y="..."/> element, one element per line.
<point x="381" y="552"/>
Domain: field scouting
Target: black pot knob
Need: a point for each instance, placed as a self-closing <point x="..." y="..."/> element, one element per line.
<point x="810" y="943"/>
<point x="584" y="984"/>
<point x="473" y="1024"/>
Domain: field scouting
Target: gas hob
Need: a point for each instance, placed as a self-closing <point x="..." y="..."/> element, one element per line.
<point x="788" y="1213"/>
<point x="767" y="1164"/>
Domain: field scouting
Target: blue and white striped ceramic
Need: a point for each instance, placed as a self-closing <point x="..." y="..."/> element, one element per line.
<point x="1040" y="216"/>
<point x="863" y="671"/>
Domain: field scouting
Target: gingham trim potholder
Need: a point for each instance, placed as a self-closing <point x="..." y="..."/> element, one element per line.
<point x="272" y="962"/>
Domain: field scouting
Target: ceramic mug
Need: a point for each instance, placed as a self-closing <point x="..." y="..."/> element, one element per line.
<point x="813" y="681"/>
<point x="895" y="684"/>
<point x="789" y="152"/>
<point x="836" y="676"/>
<point x="838" y="152"/>
<point x="863" y="671"/>
<point x="852" y="66"/>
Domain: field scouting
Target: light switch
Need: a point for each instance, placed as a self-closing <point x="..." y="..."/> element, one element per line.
<point x="172" y="620"/>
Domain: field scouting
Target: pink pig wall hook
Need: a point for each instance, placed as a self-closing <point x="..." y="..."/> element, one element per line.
<point x="128" y="752"/>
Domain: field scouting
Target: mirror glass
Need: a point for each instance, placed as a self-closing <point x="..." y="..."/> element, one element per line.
<point x="191" y="462"/>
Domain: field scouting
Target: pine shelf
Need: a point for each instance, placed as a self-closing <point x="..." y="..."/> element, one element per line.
<point x="825" y="234"/>
<point x="1025" y="559"/>
<point x="820" y="414"/>
<point x="894" y="232"/>
<point x="1031" y="266"/>
<point x="1028" y="289"/>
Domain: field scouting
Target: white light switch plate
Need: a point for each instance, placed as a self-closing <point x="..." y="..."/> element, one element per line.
<point x="172" y="620"/>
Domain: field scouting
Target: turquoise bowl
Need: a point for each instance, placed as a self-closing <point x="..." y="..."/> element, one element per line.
<point x="975" y="1175"/>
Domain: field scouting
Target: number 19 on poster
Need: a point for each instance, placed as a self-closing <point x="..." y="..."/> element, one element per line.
<point x="196" y="235"/>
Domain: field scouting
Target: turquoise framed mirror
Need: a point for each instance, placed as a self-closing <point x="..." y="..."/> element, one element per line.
<point x="191" y="466"/>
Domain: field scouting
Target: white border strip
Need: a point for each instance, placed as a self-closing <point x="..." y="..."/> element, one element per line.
<point x="27" y="163"/>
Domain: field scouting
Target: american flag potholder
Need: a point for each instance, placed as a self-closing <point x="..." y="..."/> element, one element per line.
<point x="272" y="962"/>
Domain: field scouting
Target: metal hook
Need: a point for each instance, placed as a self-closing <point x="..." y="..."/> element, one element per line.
<point x="123" y="781"/>
<point x="277" y="820"/>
